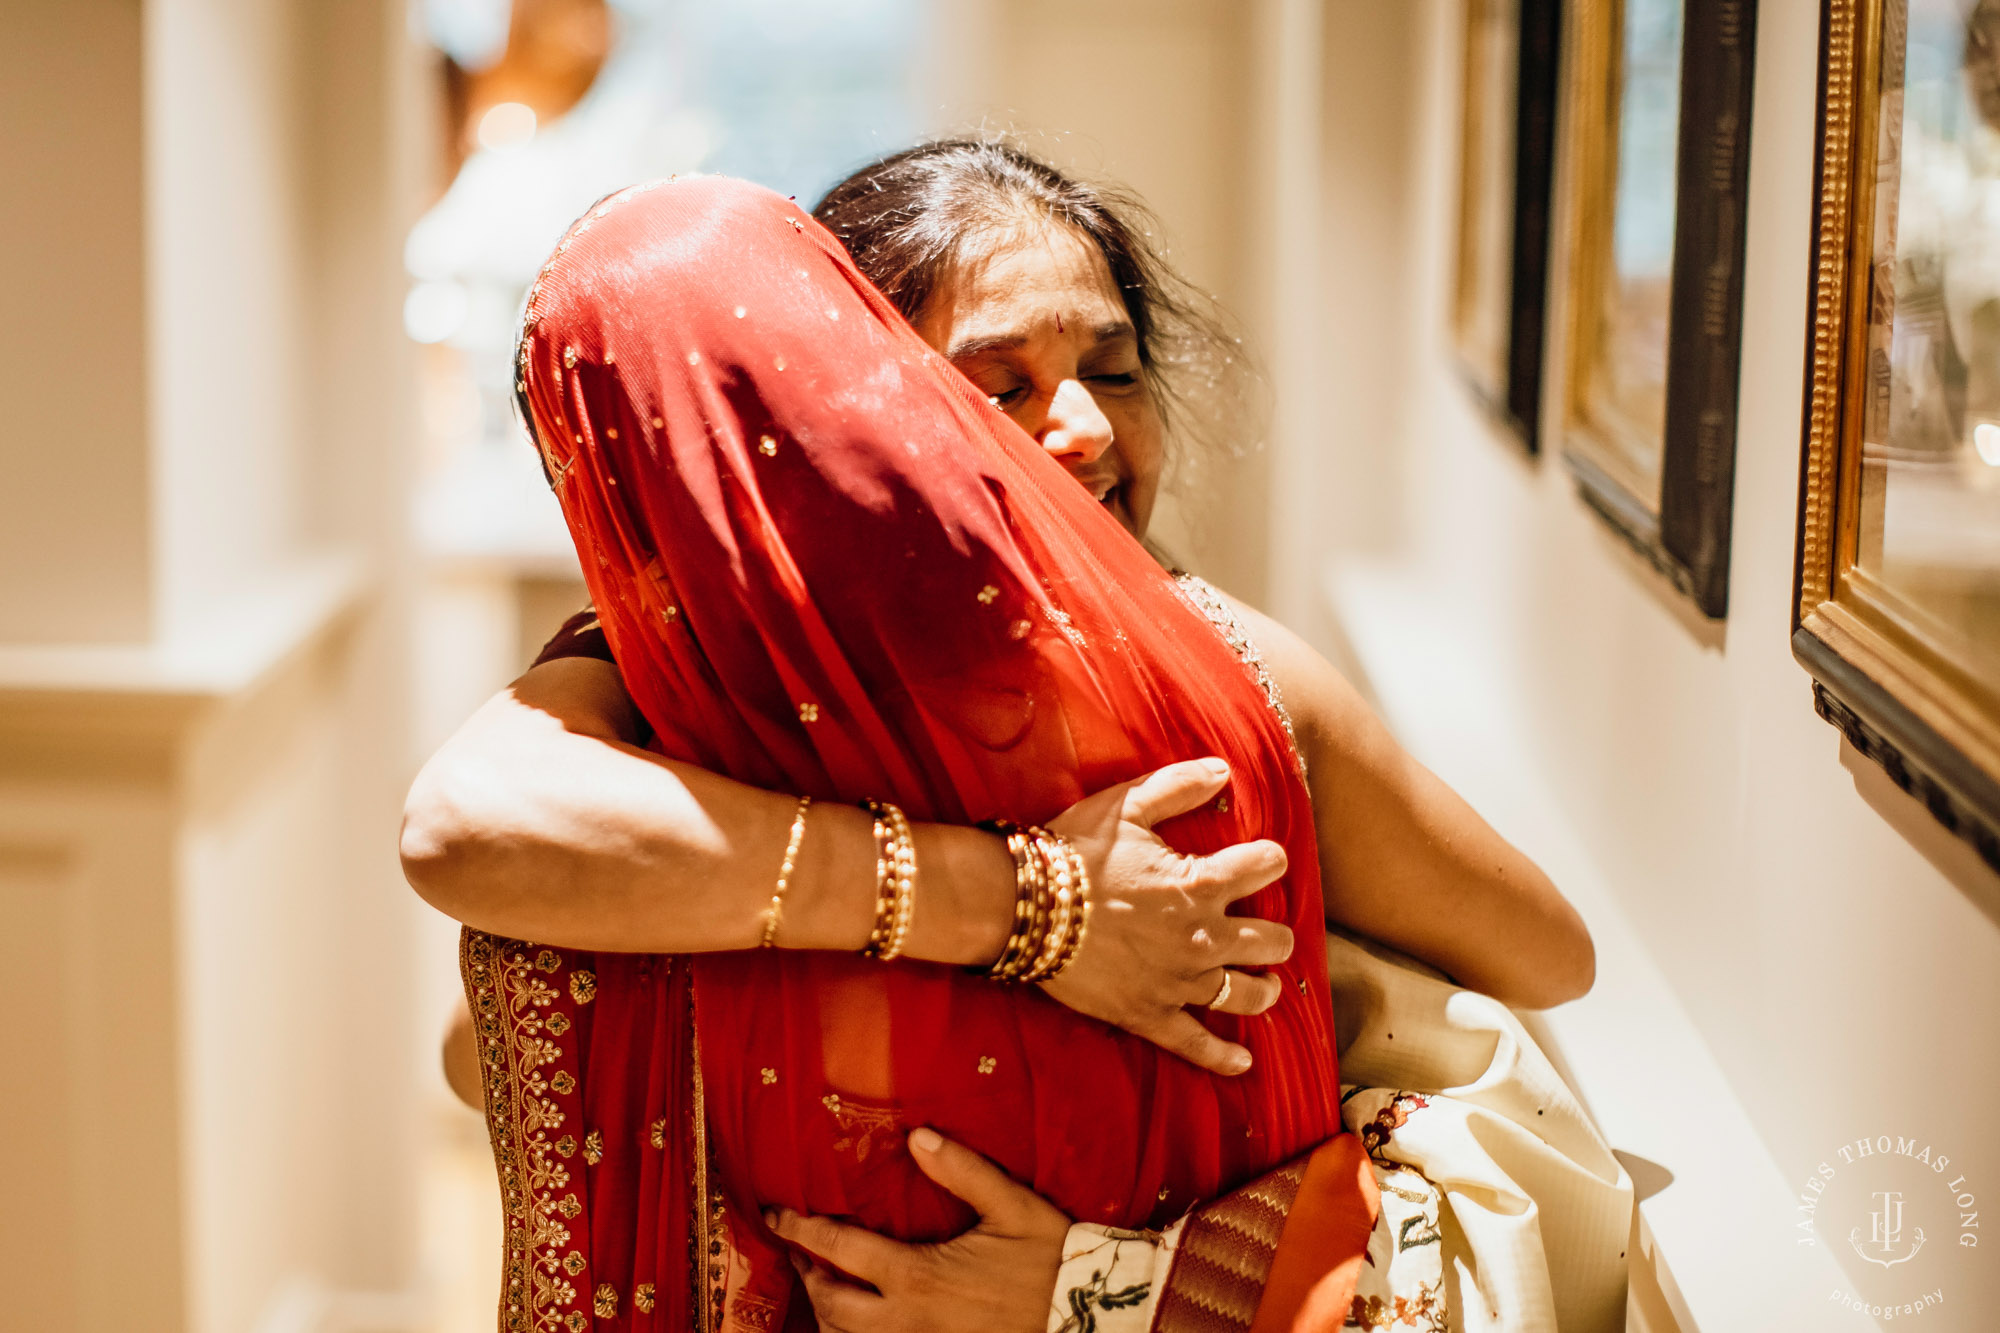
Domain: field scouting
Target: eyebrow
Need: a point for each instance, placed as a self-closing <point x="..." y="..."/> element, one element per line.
<point x="1008" y="342"/>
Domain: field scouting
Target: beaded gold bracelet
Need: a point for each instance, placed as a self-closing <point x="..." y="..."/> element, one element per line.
<point x="1080" y="923"/>
<point x="895" y="881"/>
<point x="904" y="850"/>
<point x="775" y="912"/>
<point x="885" y="901"/>
<point x="1062" y="914"/>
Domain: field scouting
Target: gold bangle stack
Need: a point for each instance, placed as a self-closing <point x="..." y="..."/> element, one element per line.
<point x="775" y="912"/>
<point x="895" y="881"/>
<point x="1051" y="907"/>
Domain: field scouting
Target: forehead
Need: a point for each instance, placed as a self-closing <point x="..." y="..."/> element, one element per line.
<point x="1027" y="276"/>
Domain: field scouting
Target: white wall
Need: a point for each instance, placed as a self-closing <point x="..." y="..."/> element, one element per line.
<point x="93" y="1122"/>
<point x="226" y="156"/>
<point x="1845" y="976"/>
<point x="203" y="728"/>
<point x="72" y="348"/>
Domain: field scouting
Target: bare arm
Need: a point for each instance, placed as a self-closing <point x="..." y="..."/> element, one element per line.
<point x="461" y="1058"/>
<point x="540" y="820"/>
<point x="1406" y="861"/>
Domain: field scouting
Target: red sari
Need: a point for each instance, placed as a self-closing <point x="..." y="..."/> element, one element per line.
<point x="827" y="565"/>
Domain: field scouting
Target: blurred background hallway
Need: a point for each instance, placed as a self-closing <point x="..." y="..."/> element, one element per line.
<point x="271" y="533"/>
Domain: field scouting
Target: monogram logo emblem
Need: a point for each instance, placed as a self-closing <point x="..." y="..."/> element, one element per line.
<point x="1885" y="1235"/>
<point x="1890" y="1194"/>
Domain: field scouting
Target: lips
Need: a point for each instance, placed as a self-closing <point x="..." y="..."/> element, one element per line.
<point x="1114" y="500"/>
<point x="1108" y="489"/>
<point x="1099" y="484"/>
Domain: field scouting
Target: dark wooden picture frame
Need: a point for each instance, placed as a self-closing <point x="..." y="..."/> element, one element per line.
<point x="1879" y="674"/>
<point x="1509" y="384"/>
<point x="1676" y="516"/>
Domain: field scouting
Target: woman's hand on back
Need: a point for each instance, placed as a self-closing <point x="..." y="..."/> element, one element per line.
<point x="998" y="1277"/>
<point x="1160" y="937"/>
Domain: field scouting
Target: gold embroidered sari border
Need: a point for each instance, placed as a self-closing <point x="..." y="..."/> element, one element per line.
<point x="516" y="1046"/>
<point x="1225" y="1256"/>
<point x="706" y="1260"/>
<point x="1207" y="599"/>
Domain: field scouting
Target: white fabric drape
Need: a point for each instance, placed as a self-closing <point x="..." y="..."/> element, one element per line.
<point x="1537" y="1211"/>
<point x="1533" y="1211"/>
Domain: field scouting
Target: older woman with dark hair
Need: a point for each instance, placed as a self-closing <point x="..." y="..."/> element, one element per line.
<point x="545" y="818"/>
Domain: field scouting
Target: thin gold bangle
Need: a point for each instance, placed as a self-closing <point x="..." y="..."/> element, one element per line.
<point x="1033" y="905"/>
<point x="1031" y="910"/>
<point x="885" y="881"/>
<point x="776" y="911"/>
<point x="1018" y="847"/>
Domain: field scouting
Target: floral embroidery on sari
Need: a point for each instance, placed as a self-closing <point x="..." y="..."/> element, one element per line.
<point x="1376" y="1133"/>
<point x="1401" y="1286"/>
<point x="863" y="1128"/>
<point x="753" y="1313"/>
<point x="1109" y="1278"/>
<point x="509" y="989"/>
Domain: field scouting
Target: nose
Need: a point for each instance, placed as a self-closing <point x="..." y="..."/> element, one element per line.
<point x="1076" y="431"/>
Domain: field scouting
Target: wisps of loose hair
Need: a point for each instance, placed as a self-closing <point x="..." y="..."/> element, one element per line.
<point x="912" y="217"/>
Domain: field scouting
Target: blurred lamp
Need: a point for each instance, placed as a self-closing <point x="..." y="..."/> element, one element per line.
<point x="552" y="52"/>
<point x="1986" y="439"/>
<point x="506" y="123"/>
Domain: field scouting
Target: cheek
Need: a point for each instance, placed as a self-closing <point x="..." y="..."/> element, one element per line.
<point x="1135" y="425"/>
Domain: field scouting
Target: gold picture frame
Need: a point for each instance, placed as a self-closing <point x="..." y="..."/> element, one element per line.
<point x="1655" y="184"/>
<point x="1890" y="671"/>
<point x="1506" y="173"/>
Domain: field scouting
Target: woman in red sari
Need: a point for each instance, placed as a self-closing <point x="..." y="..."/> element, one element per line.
<point x="983" y="709"/>
<point x="828" y="565"/>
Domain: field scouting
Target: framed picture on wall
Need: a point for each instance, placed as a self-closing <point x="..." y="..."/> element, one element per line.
<point x="1655" y="176"/>
<point x="1506" y="165"/>
<point x="1898" y="609"/>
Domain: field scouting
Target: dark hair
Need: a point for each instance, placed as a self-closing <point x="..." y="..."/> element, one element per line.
<point x="910" y="218"/>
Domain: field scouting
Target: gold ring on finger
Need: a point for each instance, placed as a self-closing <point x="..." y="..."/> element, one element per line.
<point x="1222" y="994"/>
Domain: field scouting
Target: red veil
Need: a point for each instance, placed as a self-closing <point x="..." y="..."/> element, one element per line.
<point x="827" y="565"/>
